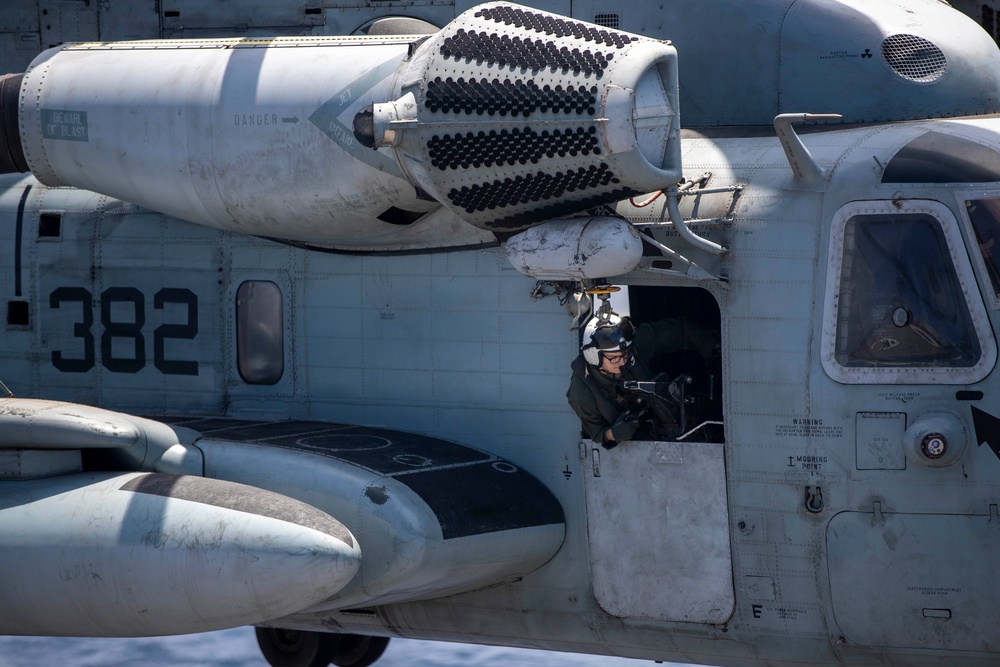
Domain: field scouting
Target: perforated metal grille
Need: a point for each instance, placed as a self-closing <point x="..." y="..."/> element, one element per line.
<point x="511" y="127"/>
<point x="607" y="20"/>
<point x="556" y="27"/>
<point x="514" y="97"/>
<point x="533" y="54"/>
<point x="509" y="147"/>
<point x="914" y="58"/>
<point x="530" y="188"/>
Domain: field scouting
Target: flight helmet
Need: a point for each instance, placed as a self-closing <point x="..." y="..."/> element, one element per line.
<point x="606" y="333"/>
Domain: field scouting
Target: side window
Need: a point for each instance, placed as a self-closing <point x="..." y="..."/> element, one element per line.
<point x="260" y="348"/>
<point x="984" y="214"/>
<point x="899" y="300"/>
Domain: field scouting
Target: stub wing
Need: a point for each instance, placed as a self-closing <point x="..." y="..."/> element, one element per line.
<point x="248" y="536"/>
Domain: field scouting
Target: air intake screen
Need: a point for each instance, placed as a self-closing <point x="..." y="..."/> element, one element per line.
<point x="914" y="58"/>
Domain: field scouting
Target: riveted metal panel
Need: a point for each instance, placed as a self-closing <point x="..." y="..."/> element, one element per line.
<point x="916" y="581"/>
<point x="19" y="16"/>
<point x="659" y="531"/>
<point x="18" y="49"/>
<point x="129" y="19"/>
<point x="880" y="440"/>
<point x="62" y="22"/>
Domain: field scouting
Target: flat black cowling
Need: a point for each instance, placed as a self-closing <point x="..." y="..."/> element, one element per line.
<point x="470" y="491"/>
<point x="11" y="152"/>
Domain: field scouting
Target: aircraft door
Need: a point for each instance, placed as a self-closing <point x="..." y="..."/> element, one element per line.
<point x="659" y="530"/>
<point x="658" y="518"/>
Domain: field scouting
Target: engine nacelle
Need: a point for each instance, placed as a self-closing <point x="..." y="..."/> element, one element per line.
<point x="242" y="135"/>
<point x="507" y="117"/>
<point x="511" y="116"/>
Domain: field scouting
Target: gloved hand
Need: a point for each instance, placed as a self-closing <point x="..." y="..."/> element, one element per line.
<point x="625" y="427"/>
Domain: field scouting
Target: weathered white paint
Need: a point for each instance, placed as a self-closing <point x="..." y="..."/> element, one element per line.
<point x="85" y="558"/>
<point x="576" y="248"/>
<point x="658" y="520"/>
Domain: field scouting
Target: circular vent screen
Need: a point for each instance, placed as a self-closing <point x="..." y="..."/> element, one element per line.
<point x="914" y="58"/>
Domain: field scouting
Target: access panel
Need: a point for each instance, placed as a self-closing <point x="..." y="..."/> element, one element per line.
<point x="915" y="580"/>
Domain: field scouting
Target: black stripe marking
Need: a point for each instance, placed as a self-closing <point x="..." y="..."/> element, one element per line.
<point x="532" y="54"/>
<point x="517" y="97"/>
<point x="510" y="147"/>
<point x="17" y="240"/>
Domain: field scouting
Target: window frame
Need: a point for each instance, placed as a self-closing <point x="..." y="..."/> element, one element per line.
<point x="986" y="285"/>
<point x="903" y="375"/>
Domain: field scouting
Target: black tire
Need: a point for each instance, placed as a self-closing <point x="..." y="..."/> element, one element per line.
<point x="296" y="648"/>
<point x="359" y="650"/>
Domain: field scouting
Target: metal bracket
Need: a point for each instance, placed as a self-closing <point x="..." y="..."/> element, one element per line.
<point x="693" y="271"/>
<point x="807" y="173"/>
<point x="814" y="499"/>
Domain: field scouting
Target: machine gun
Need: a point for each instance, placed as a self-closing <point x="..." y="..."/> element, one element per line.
<point x="670" y="401"/>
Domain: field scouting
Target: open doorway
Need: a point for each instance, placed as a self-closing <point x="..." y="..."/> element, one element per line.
<point x="699" y="309"/>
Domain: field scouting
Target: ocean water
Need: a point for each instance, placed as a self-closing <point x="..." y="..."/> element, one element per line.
<point x="238" y="648"/>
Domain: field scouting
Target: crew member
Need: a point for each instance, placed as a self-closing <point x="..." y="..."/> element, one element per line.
<point x="613" y="351"/>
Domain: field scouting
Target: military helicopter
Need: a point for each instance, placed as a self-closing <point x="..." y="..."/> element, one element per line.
<point x="290" y="319"/>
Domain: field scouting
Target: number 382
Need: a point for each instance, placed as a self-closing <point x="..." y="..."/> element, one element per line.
<point x="84" y="360"/>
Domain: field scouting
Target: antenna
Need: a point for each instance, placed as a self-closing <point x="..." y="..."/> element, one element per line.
<point x="10" y="394"/>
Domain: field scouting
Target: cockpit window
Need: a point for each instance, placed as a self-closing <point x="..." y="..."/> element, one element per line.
<point x="984" y="214"/>
<point x="936" y="157"/>
<point x="902" y="305"/>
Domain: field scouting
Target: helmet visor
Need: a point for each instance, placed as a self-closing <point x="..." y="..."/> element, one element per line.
<point x="614" y="337"/>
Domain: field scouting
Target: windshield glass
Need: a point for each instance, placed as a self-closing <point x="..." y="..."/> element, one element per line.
<point x="935" y="157"/>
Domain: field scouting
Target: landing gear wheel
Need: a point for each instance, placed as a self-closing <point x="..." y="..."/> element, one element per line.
<point x="359" y="650"/>
<point x="296" y="648"/>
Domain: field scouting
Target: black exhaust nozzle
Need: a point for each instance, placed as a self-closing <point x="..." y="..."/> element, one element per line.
<point x="11" y="152"/>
